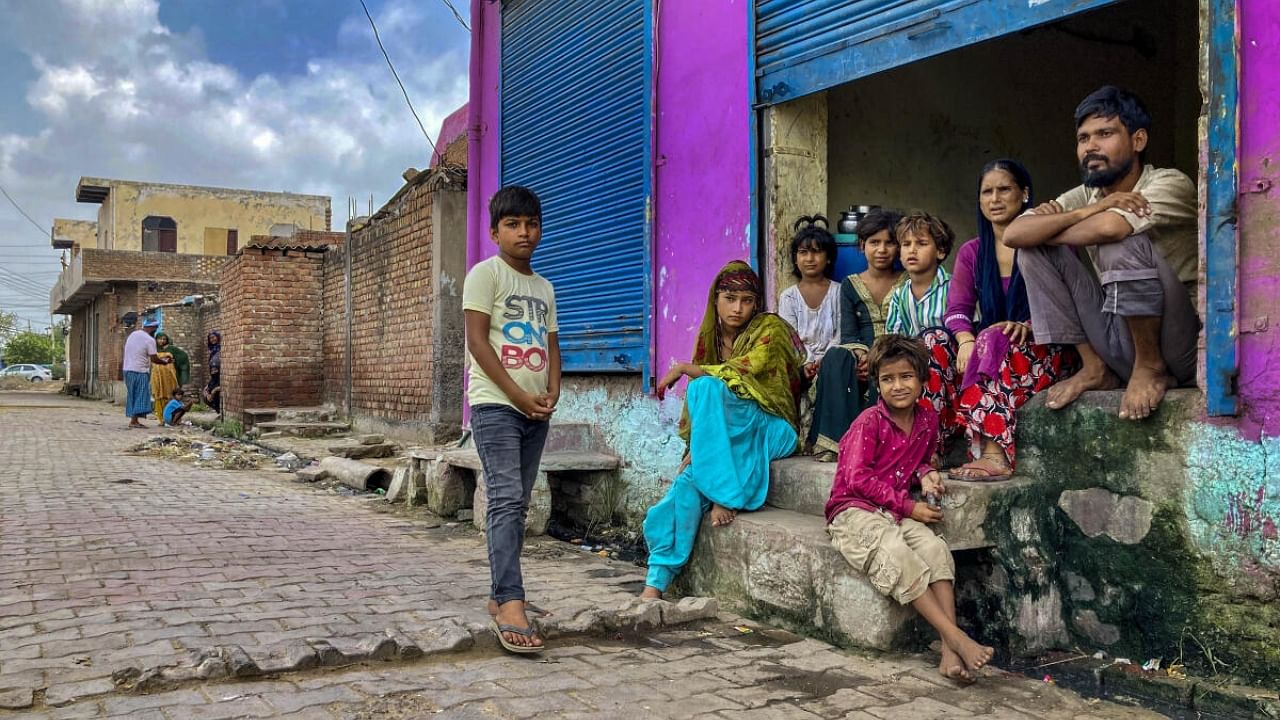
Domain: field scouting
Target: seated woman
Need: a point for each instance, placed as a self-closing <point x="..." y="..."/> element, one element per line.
<point x="740" y="415"/>
<point x="843" y="390"/>
<point x="985" y="364"/>
<point x="812" y="305"/>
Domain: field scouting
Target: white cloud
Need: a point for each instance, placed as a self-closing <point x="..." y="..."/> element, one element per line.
<point x="117" y="94"/>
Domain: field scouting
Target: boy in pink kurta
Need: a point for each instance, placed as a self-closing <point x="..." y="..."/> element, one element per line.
<point x="873" y="520"/>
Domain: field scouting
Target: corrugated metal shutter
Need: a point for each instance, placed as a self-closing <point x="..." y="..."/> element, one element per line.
<point x="803" y="46"/>
<point x="575" y="128"/>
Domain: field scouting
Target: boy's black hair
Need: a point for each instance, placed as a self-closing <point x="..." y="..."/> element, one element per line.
<point x="876" y="220"/>
<point x="513" y="201"/>
<point x="1110" y="101"/>
<point x="176" y="392"/>
<point x="922" y="223"/>
<point x="811" y="235"/>
<point x="891" y="347"/>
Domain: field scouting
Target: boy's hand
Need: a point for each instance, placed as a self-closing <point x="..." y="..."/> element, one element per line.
<point x="534" y="407"/>
<point x="550" y="399"/>
<point x="931" y="484"/>
<point x="921" y="512"/>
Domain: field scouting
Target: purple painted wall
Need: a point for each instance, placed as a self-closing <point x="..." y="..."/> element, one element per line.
<point x="702" y="179"/>
<point x="703" y="148"/>
<point x="1260" y="216"/>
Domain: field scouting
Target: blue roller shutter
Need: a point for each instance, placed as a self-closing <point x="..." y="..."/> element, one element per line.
<point x="575" y="128"/>
<point x="803" y="46"/>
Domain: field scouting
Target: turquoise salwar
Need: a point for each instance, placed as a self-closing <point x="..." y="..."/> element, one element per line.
<point x="732" y="441"/>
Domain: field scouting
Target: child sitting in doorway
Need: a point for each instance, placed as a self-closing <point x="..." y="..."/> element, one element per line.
<point x="812" y="305"/>
<point x="176" y="408"/>
<point x="871" y="517"/>
<point x="924" y="241"/>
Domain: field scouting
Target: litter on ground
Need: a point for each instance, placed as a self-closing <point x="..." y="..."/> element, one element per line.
<point x="215" y="454"/>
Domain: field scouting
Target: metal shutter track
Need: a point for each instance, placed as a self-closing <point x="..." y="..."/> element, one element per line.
<point x="575" y="128"/>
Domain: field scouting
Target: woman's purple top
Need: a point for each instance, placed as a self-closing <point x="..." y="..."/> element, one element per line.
<point x="991" y="346"/>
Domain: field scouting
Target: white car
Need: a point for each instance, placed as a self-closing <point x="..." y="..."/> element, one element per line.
<point x="34" y="373"/>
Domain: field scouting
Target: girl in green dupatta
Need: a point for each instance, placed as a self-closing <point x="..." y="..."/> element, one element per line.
<point x="740" y="414"/>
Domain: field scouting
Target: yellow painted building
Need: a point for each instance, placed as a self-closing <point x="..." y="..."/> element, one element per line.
<point x="74" y="235"/>
<point x="158" y="217"/>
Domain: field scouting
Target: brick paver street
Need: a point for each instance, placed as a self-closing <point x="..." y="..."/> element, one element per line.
<point x="137" y="587"/>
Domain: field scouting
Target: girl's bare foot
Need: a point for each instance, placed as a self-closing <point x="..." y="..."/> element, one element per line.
<point x="974" y="655"/>
<point x="722" y="516"/>
<point x="952" y="667"/>
<point x="650" y="593"/>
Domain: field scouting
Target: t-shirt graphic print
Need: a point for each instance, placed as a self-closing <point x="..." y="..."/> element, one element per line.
<point x="522" y="316"/>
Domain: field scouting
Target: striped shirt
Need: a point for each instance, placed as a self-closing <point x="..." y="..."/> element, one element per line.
<point x="911" y="317"/>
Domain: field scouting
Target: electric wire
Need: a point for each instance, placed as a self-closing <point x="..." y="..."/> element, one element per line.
<point x="456" y="14"/>
<point x="396" y="75"/>
<point x="24" y="214"/>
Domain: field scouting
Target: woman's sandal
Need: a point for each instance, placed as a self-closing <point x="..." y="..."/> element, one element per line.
<point x="509" y="646"/>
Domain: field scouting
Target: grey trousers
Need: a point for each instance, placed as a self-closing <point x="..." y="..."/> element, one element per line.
<point x="1069" y="306"/>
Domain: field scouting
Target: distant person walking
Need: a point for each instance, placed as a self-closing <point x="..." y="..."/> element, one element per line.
<point x="139" y="355"/>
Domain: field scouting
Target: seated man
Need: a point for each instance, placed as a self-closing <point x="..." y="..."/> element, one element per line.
<point x="1139" y="226"/>
<point x="176" y="408"/>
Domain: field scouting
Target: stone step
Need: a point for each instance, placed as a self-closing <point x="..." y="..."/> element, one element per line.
<point x="552" y="460"/>
<point x="802" y="484"/>
<point x="573" y="437"/>
<point x="779" y="565"/>
<point x="303" y="429"/>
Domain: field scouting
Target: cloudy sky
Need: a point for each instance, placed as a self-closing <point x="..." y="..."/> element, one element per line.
<point x="264" y="94"/>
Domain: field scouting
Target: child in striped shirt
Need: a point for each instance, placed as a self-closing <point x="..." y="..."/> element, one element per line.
<point x="919" y="304"/>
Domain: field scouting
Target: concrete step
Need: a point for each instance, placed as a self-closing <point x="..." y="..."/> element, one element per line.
<point x="573" y="437"/>
<point x="303" y="429"/>
<point x="779" y="565"/>
<point x="552" y="461"/>
<point x="802" y="484"/>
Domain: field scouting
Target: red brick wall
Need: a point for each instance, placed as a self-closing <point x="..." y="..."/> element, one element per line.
<point x="272" y="334"/>
<point x="392" y="310"/>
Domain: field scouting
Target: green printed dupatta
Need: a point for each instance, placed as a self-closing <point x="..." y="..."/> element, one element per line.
<point x="767" y="364"/>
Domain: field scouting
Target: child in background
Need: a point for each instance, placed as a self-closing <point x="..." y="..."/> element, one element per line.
<point x="924" y="241"/>
<point x="175" y="408"/>
<point x="512" y="340"/>
<point x="871" y="517"/>
<point x="812" y="305"/>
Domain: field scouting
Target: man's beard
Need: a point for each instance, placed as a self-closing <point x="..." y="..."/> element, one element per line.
<point x="1104" y="177"/>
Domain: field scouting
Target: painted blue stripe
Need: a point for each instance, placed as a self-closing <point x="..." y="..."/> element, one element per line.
<point x="1221" y="228"/>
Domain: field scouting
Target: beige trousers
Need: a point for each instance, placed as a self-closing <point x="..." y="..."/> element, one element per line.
<point x="900" y="559"/>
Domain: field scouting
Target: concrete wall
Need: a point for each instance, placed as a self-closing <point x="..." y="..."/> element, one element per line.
<point x="84" y="233"/>
<point x="916" y="136"/>
<point x="195" y="208"/>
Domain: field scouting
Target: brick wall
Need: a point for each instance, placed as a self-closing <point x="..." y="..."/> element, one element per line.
<point x="143" y="266"/>
<point x="391" y="322"/>
<point x="272" y="334"/>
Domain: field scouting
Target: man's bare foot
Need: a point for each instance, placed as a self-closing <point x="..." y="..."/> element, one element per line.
<point x="512" y="613"/>
<point x="136" y="424"/>
<point x="650" y="593"/>
<point x="1097" y="377"/>
<point x="974" y="655"/>
<point x="1143" y="395"/>
<point x="722" y="516"/>
<point x="952" y="667"/>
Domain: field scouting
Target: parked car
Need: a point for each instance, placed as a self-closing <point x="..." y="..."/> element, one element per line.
<point x="34" y="373"/>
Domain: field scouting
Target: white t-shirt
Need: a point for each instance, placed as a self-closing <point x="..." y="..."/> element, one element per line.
<point x="818" y="327"/>
<point x="522" y="314"/>
<point x="138" y="349"/>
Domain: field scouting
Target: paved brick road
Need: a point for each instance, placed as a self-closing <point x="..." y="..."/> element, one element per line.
<point x="162" y="574"/>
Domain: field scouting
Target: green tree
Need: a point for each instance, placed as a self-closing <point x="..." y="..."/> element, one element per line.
<point x="8" y="323"/>
<point x="29" y="347"/>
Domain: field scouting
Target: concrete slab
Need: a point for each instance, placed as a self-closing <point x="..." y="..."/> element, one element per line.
<point x="780" y="565"/>
<point x="554" y="461"/>
<point x="802" y="484"/>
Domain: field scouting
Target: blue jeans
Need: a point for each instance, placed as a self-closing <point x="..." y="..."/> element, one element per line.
<point x="510" y="449"/>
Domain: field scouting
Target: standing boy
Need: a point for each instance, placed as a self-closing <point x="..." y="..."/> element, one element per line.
<point x="514" y="385"/>
<point x="924" y="241"/>
<point x="871" y="517"/>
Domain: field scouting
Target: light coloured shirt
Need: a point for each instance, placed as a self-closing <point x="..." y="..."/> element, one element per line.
<point x="911" y="317"/>
<point x="819" y="328"/>
<point x="522" y="315"/>
<point x="138" y="349"/>
<point x="1173" y="224"/>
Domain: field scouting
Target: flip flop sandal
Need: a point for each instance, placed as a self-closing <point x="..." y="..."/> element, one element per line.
<point x="528" y="632"/>
<point x="976" y="473"/>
